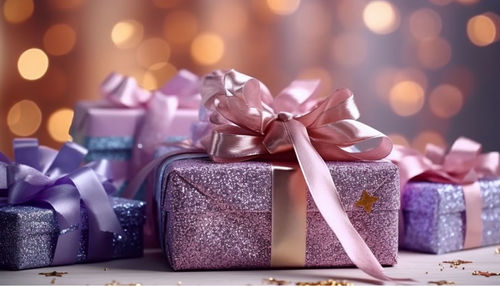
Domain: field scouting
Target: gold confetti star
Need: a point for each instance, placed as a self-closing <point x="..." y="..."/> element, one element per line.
<point x="457" y="262"/>
<point x="274" y="281"/>
<point x="329" y="282"/>
<point x="442" y="282"/>
<point x="366" y="201"/>
<point x="497" y="250"/>
<point x="485" y="273"/>
<point x="53" y="274"/>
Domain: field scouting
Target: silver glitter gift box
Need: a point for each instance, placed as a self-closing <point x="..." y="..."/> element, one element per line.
<point x="434" y="216"/>
<point x="218" y="215"/>
<point x="28" y="234"/>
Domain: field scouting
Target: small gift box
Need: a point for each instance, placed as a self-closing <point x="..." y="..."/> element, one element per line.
<point x="224" y="215"/>
<point x="30" y="233"/>
<point x="292" y="181"/>
<point x="129" y="122"/>
<point x="53" y="211"/>
<point x="450" y="201"/>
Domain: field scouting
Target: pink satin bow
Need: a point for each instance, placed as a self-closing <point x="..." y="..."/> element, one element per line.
<point x="182" y="91"/>
<point x="463" y="164"/>
<point x="246" y="123"/>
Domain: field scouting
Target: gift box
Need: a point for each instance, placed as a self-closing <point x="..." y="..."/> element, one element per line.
<point x="30" y="233"/>
<point x="434" y="216"/>
<point x="128" y="122"/>
<point x="450" y="199"/>
<point x="222" y="215"/>
<point x="56" y="211"/>
<point x="290" y="181"/>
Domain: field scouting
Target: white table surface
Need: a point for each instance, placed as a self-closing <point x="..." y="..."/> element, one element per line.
<point x="152" y="270"/>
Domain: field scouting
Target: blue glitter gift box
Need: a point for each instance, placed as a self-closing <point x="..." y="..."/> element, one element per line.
<point x="29" y="234"/>
<point x="434" y="216"/>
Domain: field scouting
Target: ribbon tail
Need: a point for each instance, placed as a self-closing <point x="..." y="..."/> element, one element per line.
<point x="324" y="194"/>
<point x="65" y="201"/>
<point x="473" y="211"/>
<point x="102" y="218"/>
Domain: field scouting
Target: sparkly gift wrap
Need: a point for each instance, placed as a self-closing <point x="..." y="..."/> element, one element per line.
<point x="28" y="234"/>
<point x="218" y="215"/>
<point x="109" y="132"/>
<point x="434" y="215"/>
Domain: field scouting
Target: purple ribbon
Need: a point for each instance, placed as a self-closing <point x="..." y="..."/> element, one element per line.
<point x="40" y="176"/>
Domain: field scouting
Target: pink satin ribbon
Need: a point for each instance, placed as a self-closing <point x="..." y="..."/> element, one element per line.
<point x="182" y="91"/>
<point x="247" y="123"/>
<point x="463" y="164"/>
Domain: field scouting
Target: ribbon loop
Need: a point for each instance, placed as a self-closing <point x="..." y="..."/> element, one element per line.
<point x="26" y="152"/>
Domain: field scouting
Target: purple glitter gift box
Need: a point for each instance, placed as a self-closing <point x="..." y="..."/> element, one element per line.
<point x="218" y="216"/>
<point x="28" y="234"/>
<point x="434" y="216"/>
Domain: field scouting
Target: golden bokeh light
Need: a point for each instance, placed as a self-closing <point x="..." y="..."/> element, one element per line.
<point x="157" y="75"/>
<point x="59" y="123"/>
<point x="349" y="49"/>
<point x="446" y="101"/>
<point x="66" y="5"/>
<point x="481" y="30"/>
<point x="406" y="98"/>
<point x="412" y="74"/>
<point x="386" y="78"/>
<point x="318" y="73"/>
<point x="380" y="17"/>
<point x="399" y="139"/>
<point x="24" y="118"/>
<point x="32" y="64"/>
<point x="17" y="11"/>
<point x="232" y="12"/>
<point x="127" y="34"/>
<point x="283" y="7"/>
<point x="428" y="136"/>
<point x="441" y="2"/>
<point x="434" y="53"/>
<point x="180" y="27"/>
<point x="165" y="4"/>
<point x="152" y="51"/>
<point x="59" y="39"/>
<point x="207" y="48"/>
<point x="425" y="24"/>
<point x="148" y="81"/>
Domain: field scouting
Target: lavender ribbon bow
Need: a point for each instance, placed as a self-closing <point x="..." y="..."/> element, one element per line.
<point x="41" y="176"/>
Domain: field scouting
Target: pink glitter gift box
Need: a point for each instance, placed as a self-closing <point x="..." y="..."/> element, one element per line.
<point x="220" y="215"/>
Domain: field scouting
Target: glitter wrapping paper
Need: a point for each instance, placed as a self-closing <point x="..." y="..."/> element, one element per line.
<point x="29" y="234"/>
<point x="434" y="216"/>
<point x="109" y="132"/>
<point x="218" y="216"/>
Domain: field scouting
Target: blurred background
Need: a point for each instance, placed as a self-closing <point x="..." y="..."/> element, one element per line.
<point x="422" y="71"/>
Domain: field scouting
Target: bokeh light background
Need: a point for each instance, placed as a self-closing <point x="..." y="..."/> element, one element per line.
<point x="422" y="71"/>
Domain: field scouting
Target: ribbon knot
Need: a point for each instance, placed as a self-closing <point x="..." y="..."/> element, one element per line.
<point x="246" y="122"/>
<point x="285" y="116"/>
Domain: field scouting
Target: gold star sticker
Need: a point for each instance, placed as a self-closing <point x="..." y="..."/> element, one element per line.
<point x="53" y="274"/>
<point x="366" y="201"/>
